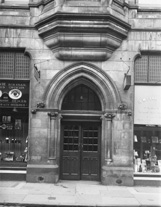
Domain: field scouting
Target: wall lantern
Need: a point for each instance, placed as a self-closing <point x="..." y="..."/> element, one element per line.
<point x="36" y="73"/>
<point x="127" y="81"/>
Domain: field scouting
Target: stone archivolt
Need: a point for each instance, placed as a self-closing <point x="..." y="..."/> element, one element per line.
<point x="83" y="35"/>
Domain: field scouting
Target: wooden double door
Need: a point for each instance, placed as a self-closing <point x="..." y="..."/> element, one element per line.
<point x="80" y="158"/>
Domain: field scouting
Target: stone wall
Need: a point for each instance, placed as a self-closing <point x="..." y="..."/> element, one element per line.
<point x="17" y="30"/>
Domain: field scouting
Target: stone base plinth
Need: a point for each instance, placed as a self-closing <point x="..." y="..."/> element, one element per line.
<point x="120" y="176"/>
<point x="42" y="173"/>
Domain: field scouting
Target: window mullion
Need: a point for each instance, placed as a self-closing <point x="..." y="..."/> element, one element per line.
<point x="14" y="69"/>
<point x="148" y="69"/>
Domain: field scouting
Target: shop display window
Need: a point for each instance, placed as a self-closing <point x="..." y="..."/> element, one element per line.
<point x="13" y="135"/>
<point x="147" y="149"/>
<point x="14" y="105"/>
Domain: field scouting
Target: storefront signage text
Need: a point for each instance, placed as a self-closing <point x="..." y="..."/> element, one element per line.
<point x="14" y="94"/>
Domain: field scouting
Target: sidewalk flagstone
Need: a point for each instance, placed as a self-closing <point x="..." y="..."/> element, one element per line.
<point x="123" y="193"/>
<point x="107" y="201"/>
<point x="148" y="189"/>
<point x="88" y="199"/>
<point x="150" y="200"/>
<point x="11" y="198"/>
<point x="77" y="193"/>
<point x="87" y="190"/>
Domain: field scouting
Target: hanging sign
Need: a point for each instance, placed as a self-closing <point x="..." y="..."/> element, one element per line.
<point x="14" y="93"/>
<point x="147" y="109"/>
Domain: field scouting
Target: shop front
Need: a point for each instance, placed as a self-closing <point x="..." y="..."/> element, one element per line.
<point x="147" y="135"/>
<point x="14" y="110"/>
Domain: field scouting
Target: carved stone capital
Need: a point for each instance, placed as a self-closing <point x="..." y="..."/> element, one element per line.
<point x="40" y="105"/>
<point x="109" y="116"/>
<point x="122" y="106"/>
<point x="53" y="115"/>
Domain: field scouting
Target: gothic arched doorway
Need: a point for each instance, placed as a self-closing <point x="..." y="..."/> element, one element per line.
<point x="81" y="135"/>
<point x="78" y="117"/>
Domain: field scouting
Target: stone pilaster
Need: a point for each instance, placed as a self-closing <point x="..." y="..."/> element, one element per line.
<point x="52" y="136"/>
<point x="107" y="122"/>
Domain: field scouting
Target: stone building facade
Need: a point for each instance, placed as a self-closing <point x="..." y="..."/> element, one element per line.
<point x="77" y="89"/>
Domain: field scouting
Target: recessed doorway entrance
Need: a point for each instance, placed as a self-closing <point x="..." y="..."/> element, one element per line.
<point x="80" y="134"/>
<point x="80" y="151"/>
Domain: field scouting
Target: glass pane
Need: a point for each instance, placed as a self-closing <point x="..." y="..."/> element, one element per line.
<point x="71" y="137"/>
<point x="154" y="69"/>
<point x="21" y="66"/>
<point x="141" y="69"/>
<point x="6" y="65"/>
<point x="90" y="139"/>
<point x="13" y="135"/>
<point x="81" y="98"/>
<point x="14" y="65"/>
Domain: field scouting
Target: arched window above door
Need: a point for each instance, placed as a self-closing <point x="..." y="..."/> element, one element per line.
<point x="81" y="98"/>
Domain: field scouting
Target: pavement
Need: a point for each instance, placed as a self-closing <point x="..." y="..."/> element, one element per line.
<point x="76" y="193"/>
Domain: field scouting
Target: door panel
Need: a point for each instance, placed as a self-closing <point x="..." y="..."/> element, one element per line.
<point x="90" y="152"/>
<point x="71" y="165"/>
<point x="71" y="155"/>
<point x="80" y="151"/>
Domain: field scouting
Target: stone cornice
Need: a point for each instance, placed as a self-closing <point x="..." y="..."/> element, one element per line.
<point x="17" y="27"/>
<point x="5" y="6"/>
<point x="146" y="29"/>
<point x="81" y="16"/>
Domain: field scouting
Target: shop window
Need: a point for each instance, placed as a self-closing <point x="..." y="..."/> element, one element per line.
<point x="147" y="69"/>
<point x="14" y="105"/>
<point x="147" y="130"/>
<point x="14" y="65"/>
<point x="147" y="149"/>
<point x="81" y="98"/>
<point x="13" y="135"/>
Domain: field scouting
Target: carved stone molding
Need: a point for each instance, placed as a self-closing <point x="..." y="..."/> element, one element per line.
<point x="109" y="116"/>
<point x="80" y="36"/>
<point x="53" y="115"/>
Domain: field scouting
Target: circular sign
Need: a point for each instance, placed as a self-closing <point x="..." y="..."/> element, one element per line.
<point x="15" y="94"/>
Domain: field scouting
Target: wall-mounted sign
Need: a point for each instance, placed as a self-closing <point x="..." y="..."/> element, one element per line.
<point x="147" y="109"/>
<point x="14" y="93"/>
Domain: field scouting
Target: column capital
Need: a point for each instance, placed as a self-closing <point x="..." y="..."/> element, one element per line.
<point x="53" y="115"/>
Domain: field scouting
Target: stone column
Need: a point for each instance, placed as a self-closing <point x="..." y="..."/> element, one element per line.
<point x="52" y="136"/>
<point x="108" y="136"/>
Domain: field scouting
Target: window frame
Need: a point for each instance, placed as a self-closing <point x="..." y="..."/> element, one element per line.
<point x="148" y="55"/>
<point x="16" y="51"/>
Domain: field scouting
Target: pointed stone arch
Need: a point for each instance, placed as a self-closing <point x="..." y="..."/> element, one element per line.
<point x="87" y="74"/>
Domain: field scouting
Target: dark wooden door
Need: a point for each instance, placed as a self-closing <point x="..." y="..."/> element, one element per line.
<point x="80" y="151"/>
